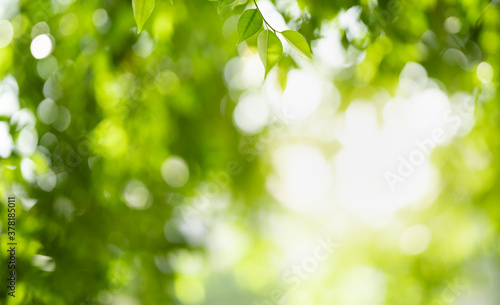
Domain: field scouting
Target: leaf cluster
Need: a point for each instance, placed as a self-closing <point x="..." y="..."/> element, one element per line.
<point x="250" y="23"/>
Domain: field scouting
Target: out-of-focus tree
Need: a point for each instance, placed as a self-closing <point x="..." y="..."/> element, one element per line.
<point x="124" y="146"/>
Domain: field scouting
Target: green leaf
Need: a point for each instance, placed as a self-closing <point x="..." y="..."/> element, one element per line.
<point x="239" y="2"/>
<point x="223" y="4"/>
<point x="284" y="66"/>
<point x="282" y="77"/>
<point x="249" y="23"/>
<point x="297" y="42"/>
<point x="171" y="2"/>
<point x="142" y="11"/>
<point x="270" y="49"/>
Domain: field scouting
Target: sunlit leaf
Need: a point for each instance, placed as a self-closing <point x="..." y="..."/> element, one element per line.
<point x="239" y="2"/>
<point x="142" y="11"/>
<point x="270" y="49"/>
<point x="297" y="42"/>
<point x="284" y="66"/>
<point x="249" y="23"/>
<point x="223" y="4"/>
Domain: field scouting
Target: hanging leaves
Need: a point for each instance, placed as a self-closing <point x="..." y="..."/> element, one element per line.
<point x="249" y="24"/>
<point x="297" y="42"/>
<point x="270" y="49"/>
<point x="142" y="11"/>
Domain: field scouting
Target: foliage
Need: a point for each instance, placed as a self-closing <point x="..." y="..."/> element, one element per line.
<point x="249" y="23"/>
<point x="94" y="127"/>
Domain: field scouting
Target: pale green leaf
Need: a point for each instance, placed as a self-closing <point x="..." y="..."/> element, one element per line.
<point x="270" y="49"/>
<point x="249" y="23"/>
<point x="297" y="42"/>
<point x="171" y="2"/>
<point x="223" y="4"/>
<point x="284" y="66"/>
<point x="239" y="2"/>
<point x="142" y="11"/>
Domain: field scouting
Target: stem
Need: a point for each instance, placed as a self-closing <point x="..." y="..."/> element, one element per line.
<point x="265" y="21"/>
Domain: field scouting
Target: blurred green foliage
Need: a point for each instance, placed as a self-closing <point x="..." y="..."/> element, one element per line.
<point x="134" y="100"/>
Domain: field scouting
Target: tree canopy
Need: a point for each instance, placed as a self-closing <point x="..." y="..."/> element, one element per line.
<point x="251" y="152"/>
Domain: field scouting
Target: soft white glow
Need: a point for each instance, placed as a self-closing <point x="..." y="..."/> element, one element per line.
<point x="361" y="286"/>
<point x="245" y="72"/>
<point x="192" y="228"/>
<point x="100" y="17"/>
<point x="26" y="141"/>
<point x="372" y="155"/>
<point x="272" y="15"/>
<point x="28" y="169"/>
<point x="47" y="111"/>
<point x="384" y="161"/>
<point x="41" y="46"/>
<point x="328" y="50"/>
<point x="185" y="262"/>
<point x="144" y="46"/>
<point x="291" y="8"/>
<point x="9" y="91"/>
<point x="6" y="143"/>
<point x="349" y="20"/>
<point x="136" y="195"/>
<point x="45" y="263"/>
<point x="175" y="171"/>
<point x="251" y="114"/>
<point x="6" y="33"/>
<point x="485" y="72"/>
<point x="47" y="181"/>
<point x="384" y="166"/>
<point x="39" y="29"/>
<point x="221" y="235"/>
<point x="452" y="25"/>
<point x="303" y="178"/>
<point x="415" y="240"/>
<point x="303" y="93"/>
<point x="252" y="73"/>
<point x="461" y="119"/>
<point x="9" y="8"/>
<point x="23" y="118"/>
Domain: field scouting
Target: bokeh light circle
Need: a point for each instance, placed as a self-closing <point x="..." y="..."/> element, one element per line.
<point x="41" y="46"/>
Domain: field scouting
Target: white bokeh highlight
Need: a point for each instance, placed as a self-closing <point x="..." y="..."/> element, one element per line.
<point x="41" y="46"/>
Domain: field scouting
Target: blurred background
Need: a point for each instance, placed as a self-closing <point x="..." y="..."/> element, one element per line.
<point x="162" y="168"/>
